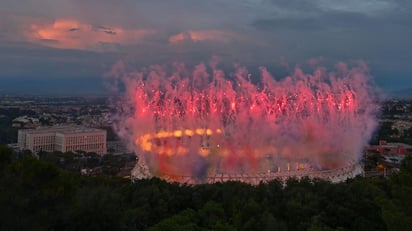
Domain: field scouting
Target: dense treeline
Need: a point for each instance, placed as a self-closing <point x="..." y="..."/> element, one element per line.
<point x="37" y="195"/>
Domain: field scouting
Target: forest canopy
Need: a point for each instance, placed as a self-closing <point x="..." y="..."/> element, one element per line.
<point x="37" y="195"/>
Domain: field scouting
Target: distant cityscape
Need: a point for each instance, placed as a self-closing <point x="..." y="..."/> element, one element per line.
<point x="53" y="127"/>
<point x="25" y="120"/>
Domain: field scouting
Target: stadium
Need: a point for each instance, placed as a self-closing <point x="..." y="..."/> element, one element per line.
<point x="268" y="169"/>
<point x="199" y="126"/>
<point x="334" y="175"/>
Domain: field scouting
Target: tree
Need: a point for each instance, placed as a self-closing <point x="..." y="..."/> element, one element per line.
<point x="185" y="221"/>
<point x="5" y="156"/>
<point x="397" y="207"/>
<point x="211" y="214"/>
<point x="38" y="195"/>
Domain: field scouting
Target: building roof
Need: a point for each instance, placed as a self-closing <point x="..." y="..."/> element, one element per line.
<point x="81" y="130"/>
<point x="62" y="129"/>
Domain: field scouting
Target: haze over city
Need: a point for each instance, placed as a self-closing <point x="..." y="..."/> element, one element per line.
<point x="66" y="46"/>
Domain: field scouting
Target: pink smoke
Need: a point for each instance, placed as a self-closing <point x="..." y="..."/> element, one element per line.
<point x="200" y="121"/>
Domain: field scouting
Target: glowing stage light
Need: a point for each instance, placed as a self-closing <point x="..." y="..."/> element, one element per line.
<point x="145" y="141"/>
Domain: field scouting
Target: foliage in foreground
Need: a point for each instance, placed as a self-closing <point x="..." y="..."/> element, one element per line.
<point x="36" y="195"/>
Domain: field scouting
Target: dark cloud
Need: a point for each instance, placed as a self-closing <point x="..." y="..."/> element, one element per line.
<point x="289" y="24"/>
<point x="380" y="38"/>
<point x="251" y="32"/>
<point x="305" y="6"/>
<point x="21" y="60"/>
<point x="110" y="32"/>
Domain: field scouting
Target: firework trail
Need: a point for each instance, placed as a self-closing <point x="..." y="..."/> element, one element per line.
<point x="199" y="121"/>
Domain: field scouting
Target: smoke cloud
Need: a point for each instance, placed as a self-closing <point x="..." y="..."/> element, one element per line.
<point x="199" y="121"/>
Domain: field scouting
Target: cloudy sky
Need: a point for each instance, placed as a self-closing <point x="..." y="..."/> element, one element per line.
<point x="46" y="44"/>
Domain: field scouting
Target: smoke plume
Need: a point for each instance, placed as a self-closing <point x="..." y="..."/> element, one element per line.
<point x="198" y="121"/>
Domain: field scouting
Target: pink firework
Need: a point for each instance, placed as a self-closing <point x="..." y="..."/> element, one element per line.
<point x="199" y="122"/>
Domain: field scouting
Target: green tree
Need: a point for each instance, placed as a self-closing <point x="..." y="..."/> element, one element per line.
<point x="397" y="206"/>
<point x="211" y="214"/>
<point x="5" y="156"/>
<point x="38" y="195"/>
<point x="185" y="221"/>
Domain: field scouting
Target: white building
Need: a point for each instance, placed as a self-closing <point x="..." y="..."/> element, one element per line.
<point x="63" y="138"/>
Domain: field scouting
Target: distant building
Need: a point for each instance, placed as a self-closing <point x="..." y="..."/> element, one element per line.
<point x="385" y="148"/>
<point x="63" y="138"/>
<point x="25" y="121"/>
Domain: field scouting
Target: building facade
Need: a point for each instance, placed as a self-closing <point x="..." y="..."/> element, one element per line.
<point x="64" y="139"/>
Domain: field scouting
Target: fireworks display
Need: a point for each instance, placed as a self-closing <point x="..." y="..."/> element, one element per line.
<point x="199" y="121"/>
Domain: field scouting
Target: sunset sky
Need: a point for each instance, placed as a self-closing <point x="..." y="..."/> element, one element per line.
<point x="47" y="44"/>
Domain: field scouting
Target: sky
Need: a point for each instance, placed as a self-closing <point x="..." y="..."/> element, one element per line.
<point x="49" y="46"/>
